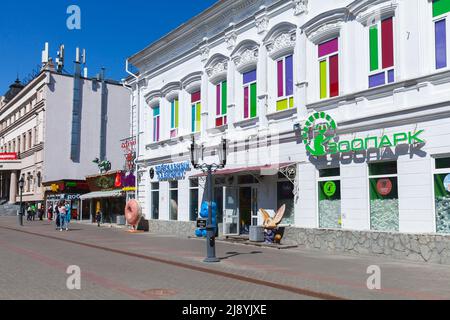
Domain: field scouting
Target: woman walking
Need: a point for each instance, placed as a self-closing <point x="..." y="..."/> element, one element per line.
<point x="68" y="216"/>
<point x="62" y="215"/>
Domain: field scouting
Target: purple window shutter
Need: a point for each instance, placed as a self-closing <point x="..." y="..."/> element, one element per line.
<point x="280" y="78"/>
<point x="289" y="76"/>
<point x="441" y="44"/>
<point x="250" y="76"/>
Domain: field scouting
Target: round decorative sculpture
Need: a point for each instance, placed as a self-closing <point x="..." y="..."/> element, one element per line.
<point x="133" y="213"/>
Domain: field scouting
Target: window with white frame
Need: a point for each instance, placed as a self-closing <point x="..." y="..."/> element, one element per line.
<point x="154" y="208"/>
<point x="329" y="68"/>
<point x="384" y="202"/>
<point x="221" y="104"/>
<point x="173" y="203"/>
<point x="196" y="111"/>
<point x="330" y="216"/>
<point x="442" y="194"/>
<point x="156" y="124"/>
<point x="174" y="117"/>
<point x="381" y="53"/>
<point x="285" y="83"/>
<point x="441" y="26"/>
<point x="250" y="94"/>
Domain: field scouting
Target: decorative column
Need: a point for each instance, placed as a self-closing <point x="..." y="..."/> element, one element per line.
<point x="13" y="188"/>
<point x="300" y="63"/>
<point x="205" y="106"/>
<point x="301" y="83"/>
<point x="262" y="86"/>
<point x="231" y="111"/>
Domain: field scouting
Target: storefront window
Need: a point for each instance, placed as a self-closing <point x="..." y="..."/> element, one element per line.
<point x="193" y="202"/>
<point x="286" y="197"/>
<point x="155" y="201"/>
<point x="330" y="216"/>
<point x="442" y="195"/>
<point x="173" y="200"/>
<point x="384" y="205"/>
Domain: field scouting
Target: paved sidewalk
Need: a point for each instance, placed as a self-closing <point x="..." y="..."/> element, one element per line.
<point x="245" y="272"/>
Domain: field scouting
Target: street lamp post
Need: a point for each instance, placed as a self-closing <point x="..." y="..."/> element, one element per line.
<point x="21" y="185"/>
<point x="209" y="169"/>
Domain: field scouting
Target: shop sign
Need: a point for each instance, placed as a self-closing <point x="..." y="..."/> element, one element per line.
<point x="384" y="187"/>
<point x="173" y="171"/>
<point x="330" y="189"/>
<point x="323" y="129"/>
<point x="8" y="156"/>
<point x="105" y="182"/>
<point x="447" y="183"/>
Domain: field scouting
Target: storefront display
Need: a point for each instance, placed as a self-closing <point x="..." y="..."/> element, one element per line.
<point x="384" y="202"/>
<point x="330" y="205"/>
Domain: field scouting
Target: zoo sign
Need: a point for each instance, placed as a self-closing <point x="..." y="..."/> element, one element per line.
<point x="319" y="136"/>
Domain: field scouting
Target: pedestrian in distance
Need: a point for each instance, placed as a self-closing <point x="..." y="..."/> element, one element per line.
<point x="68" y="216"/>
<point x="28" y="212"/>
<point x="62" y="216"/>
<point x="57" y="217"/>
<point x="98" y="218"/>
<point x="33" y="212"/>
<point x="50" y="213"/>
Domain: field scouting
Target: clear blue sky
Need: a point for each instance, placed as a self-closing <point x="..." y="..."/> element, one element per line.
<point x="110" y="31"/>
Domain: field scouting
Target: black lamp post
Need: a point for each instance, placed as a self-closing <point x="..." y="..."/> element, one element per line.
<point x="209" y="169"/>
<point x="21" y="213"/>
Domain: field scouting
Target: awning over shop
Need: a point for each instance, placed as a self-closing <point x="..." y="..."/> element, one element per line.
<point x="103" y="194"/>
<point x="268" y="170"/>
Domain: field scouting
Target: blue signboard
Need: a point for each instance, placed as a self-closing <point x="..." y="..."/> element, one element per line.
<point x="172" y="171"/>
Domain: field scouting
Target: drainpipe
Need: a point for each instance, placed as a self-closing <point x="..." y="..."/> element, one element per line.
<point x="138" y="121"/>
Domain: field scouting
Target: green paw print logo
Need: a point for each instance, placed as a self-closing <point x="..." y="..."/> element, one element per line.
<point x="319" y="123"/>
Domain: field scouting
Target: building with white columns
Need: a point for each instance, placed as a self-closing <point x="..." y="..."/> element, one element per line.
<point x="338" y="109"/>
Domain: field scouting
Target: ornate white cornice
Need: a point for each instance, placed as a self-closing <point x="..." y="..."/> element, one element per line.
<point x="282" y="45"/>
<point x="192" y="82"/>
<point x="262" y="23"/>
<point x="153" y="98"/>
<point x="326" y="32"/>
<point x="247" y="60"/>
<point x="204" y="50"/>
<point x="326" y="25"/>
<point x="230" y="39"/>
<point x="217" y="72"/>
<point x="171" y="90"/>
<point x="371" y="13"/>
<point x="300" y="6"/>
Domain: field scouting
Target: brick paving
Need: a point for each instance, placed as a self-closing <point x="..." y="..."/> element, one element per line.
<point x="34" y="267"/>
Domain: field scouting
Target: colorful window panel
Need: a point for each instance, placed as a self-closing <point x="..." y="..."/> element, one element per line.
<point x="381" y="43"/>
<point x="250" y="98"/>
<point x="221" y="104"/>
<point x="285" y="83"/>
<point x="441" y="10"/>
<point x="156" y="124"/>
<point x="174" y="118"/>
<point x="329" y="68"/>
<point x="196" y="111"/>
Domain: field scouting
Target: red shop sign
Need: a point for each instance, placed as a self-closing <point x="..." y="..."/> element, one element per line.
<point x="384" y="187"/>
<point x="8" y="156"/>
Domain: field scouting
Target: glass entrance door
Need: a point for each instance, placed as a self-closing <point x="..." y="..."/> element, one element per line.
<point x="231" y="225"/>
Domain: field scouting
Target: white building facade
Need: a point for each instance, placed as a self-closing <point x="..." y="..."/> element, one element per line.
<point x="338" y="109"/>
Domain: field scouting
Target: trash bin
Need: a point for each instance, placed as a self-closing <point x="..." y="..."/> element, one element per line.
<point x="256" y="234"/>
